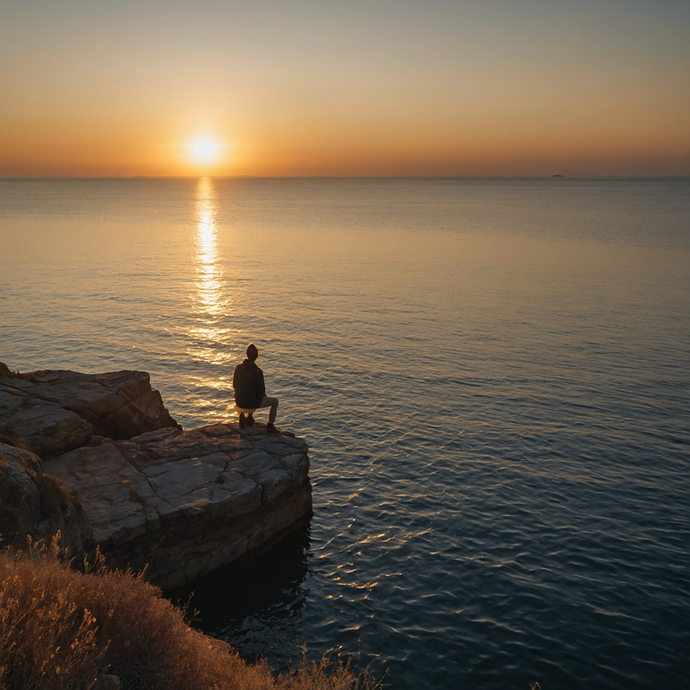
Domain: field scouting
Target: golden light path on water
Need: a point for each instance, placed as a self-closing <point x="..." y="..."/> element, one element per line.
<point x="209" y="271"/>
<point x="211" y="341"/>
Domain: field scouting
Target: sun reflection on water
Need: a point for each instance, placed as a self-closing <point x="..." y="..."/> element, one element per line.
<point x="211" y="303"/>
<point x="209" y="271"/>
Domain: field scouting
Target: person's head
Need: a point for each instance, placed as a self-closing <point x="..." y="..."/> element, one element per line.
<point x="252" y="352"/>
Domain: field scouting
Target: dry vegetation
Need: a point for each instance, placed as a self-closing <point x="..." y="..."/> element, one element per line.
<point x="100" y="630"/>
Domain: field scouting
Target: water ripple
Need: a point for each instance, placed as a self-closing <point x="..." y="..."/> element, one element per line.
<point x="495" y="397"/>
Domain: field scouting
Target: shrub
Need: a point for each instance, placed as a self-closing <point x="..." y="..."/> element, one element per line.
<point x="65" y="630"/>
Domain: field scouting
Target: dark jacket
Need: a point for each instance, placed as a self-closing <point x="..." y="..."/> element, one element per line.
<point x="248" y="382"/>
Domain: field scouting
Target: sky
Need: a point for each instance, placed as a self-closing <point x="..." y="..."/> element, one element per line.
<point x="345" y="87"/>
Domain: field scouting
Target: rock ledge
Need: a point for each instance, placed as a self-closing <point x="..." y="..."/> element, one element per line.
<point x="149" y="495"/>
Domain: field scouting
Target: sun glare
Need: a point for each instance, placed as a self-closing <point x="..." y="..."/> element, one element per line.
<point x="205" y="148"/>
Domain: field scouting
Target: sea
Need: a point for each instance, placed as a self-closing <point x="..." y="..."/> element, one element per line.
<point x="492" y="375"/>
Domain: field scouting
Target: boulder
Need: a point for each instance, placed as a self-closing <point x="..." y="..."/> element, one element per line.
<point x="37" y="505"/>
<point x="56" y="411"/>
<point x="20" y="503"/>
<point x="43" y="427"/>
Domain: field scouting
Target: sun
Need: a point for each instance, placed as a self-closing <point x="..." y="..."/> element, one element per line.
<point x="205" y="148"/>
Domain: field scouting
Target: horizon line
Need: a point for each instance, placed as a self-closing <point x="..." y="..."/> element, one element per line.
<point x="557" y="176"/>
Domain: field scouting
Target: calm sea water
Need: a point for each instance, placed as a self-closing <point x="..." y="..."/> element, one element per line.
<point x="493" y="377"/>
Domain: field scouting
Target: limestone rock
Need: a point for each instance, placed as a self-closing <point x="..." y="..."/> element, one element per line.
<point x="56" y="411"/>
<point x="19" y="499"/>
<point x="182" y="503"/>
<point x="116" y="471"/>
<point x="119" y="405"/>
<point x="38" y="505"/>
<point x="44" y="428"/>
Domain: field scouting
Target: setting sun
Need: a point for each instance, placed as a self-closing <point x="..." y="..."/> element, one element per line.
<point x="205" y="149"/>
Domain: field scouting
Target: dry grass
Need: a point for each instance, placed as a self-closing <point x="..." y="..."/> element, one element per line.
<point x="65" y="630"/>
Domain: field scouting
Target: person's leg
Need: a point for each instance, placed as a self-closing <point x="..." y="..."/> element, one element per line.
<point x="273" y="404"/>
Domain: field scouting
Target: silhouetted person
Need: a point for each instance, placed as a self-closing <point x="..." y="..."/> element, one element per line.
<point x="250" y="391"/>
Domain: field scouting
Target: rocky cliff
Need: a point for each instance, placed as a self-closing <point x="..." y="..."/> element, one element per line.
<point x="56" y="411"/>
<point x="99" y="458"/>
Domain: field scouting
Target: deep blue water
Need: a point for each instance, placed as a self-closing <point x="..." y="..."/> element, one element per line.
<point x="493" y="377"/>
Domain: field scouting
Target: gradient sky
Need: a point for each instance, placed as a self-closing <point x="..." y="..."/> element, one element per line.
<point x="343" y="87"/>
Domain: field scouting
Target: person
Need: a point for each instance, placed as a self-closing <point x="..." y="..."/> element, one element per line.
<point x="250" y="391"/>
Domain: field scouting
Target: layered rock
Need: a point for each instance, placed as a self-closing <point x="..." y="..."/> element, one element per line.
<point x="184" y="503"/>
<point x="56" y="411"/>
<point x="38" y="505"/>
<point x="179" y="503"/>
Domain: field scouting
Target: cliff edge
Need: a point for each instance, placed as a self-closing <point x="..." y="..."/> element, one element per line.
<point x="99" y="458"/>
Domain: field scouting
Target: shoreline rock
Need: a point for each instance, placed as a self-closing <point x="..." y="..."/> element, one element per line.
<point x="36" y="504"/>
<point x="145" y="492"/>
<point x="57" y="410"/>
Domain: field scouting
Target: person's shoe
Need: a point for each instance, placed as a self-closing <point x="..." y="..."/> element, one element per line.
<point x="242" y="422"/>
<point x="250" y="420"/>
<point x="270" y="428"/>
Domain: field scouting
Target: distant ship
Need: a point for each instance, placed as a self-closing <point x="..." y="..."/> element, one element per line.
<point x="557" y="175"/>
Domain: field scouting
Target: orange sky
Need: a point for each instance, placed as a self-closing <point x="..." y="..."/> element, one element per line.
<point x="528" y="87"/>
